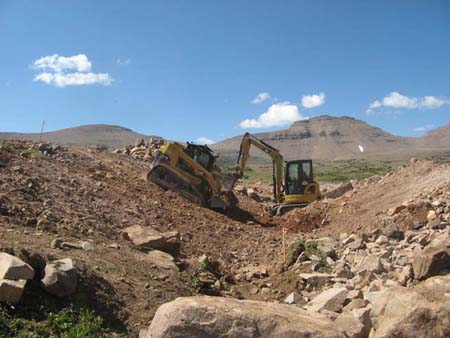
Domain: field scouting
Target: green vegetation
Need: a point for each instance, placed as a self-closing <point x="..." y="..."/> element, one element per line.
<point x="67" y="323"/>
<point x="342" y="171"/>
<point x="311" y="249"/>
<point x="324" y="171"/>
<point x="32" y="152"/>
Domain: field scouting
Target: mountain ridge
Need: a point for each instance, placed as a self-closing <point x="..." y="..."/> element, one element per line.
<point x="323" y="137"/>
<point x="343" y="137"/>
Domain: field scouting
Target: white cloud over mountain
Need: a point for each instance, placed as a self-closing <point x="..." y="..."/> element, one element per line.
<point x="278" y="114"/>
<point x="314" y="100"/>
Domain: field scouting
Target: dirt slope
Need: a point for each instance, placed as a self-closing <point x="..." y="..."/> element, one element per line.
<point x="370" y="204"/>
<point x="81" y="194"/>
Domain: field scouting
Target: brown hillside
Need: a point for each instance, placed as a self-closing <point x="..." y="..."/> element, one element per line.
<point x="331" y="138"/>
<point x="437" y="138"/>
<point x="89" y="135"/>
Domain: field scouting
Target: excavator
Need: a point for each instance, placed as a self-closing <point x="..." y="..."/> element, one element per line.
<point x="192" y="171"/>
<point x="299" y="188"/>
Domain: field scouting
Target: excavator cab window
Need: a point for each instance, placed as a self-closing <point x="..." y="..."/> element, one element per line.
<point x="298" y="175"/>
<point x="202" y="155"/>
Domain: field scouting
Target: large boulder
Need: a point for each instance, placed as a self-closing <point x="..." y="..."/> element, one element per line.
<point x="161" y="260"/>
<point x="14" y="268"/>
<point x="370" y="263"/>
<point x="60" y="278"/>
<point x="432" y="260"/>
<point x="356" y="323"/>
<point x="14" y="274"/>
<point x="146" y="238"/>
<point x="211" y="317"/>
<point x="331" y="300"/>
<point x="422" y="311"/>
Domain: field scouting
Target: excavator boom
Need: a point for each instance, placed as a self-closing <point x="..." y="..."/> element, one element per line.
<point x="277" y="160"/>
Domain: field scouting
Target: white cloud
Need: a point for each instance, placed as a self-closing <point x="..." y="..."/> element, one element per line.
<point x="61" y="71"/>
<point x="424" y="128"/>
<point x="74" y="79"/>
<point x="123" y="62"/>
<point x="432" y="102"/>
<point x="375" y="104"/>
<point x="204" y="140"/>
<point x="261" y="97"/>
<point x="278" y="114"/>
<point x="314" y="100"/>
<point x="399" y="101"/>
<point x="59" y="64"/>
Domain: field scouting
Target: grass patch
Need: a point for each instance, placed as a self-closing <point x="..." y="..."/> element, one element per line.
<point x="67" y="323"/>
<point x="324" y="171"/>
<point x="32" y="152"/>
<point x="343" y="171"/>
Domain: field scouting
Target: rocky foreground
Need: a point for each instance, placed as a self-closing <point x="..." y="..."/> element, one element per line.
<point x="384" y="284"/>
<point x="80" y="228"/>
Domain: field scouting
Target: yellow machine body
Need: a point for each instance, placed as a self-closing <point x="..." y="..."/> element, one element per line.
<point x="192" y="171"/>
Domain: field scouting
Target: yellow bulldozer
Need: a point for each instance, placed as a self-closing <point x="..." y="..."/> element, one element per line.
<point x="298" y="187"/>
<point x="192" y="171"/>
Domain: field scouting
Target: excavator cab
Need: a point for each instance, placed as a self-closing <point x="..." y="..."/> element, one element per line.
<point x="298" y="175"/>
<point x="299" y="187"/>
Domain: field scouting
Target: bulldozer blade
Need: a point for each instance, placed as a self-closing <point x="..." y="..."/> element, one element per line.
<point x="224" y="200"/>
<point x="228" y="182"/>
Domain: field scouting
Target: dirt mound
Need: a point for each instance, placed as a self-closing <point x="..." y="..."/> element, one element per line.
<point x="401" y="198"/>
<point x="91" y="195"/>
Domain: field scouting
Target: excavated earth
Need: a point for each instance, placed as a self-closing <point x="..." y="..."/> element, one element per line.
<point x="79" y="194"/>
<point x="92" y="195"/>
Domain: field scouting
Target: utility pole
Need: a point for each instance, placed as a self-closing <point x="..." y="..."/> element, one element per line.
<point x="42" y="131"/>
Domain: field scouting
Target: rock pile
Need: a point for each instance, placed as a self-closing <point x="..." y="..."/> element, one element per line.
<point x="59" y="277"/>
<point x="387" y="283"/>
<point x="144" y="150"/>
<point x="364" y="271"/>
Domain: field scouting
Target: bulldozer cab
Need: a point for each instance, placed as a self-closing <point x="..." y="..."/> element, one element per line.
<point x="298" y="174"/>
<point x="201" y="154"/>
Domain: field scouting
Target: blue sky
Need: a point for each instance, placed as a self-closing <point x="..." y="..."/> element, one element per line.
<point x="190" y="69"/>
